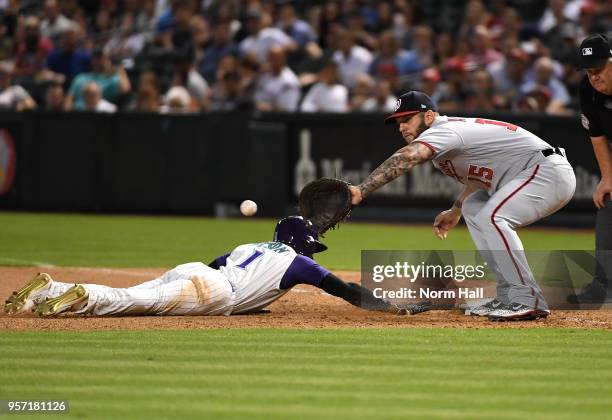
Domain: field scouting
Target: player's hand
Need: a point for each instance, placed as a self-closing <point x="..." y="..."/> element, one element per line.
<point x="599" y="196"/>
<point x="356" y="193"/>
<point x="445" y="221"/>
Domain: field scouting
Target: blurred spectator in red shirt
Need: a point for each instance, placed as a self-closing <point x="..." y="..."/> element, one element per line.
<point x="32" y="51"/>
<point x="482" y="52"/>
<point x="431" y="84"/>
<point x="537" y="100"/>
<point x="592" y="19"/>
<point x="455" y="89"/>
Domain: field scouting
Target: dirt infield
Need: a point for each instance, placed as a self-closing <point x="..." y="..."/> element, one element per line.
<point x="303" y="307"/>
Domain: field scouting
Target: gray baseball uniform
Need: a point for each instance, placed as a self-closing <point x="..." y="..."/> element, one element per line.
<point x="517" y="185"/>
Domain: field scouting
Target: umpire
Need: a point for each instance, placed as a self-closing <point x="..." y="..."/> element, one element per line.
<point x="595" y="56"/>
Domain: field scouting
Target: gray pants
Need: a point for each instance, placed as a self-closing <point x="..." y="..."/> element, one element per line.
<point x="535" y="193"/>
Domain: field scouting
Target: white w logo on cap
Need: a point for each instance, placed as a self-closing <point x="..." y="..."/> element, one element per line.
<point x="398" y="103"/>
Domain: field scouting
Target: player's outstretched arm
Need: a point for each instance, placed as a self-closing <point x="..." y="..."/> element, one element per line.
<point x="356" y="295"/>
<point x="363" y="298"/>
<point x="398" y="164"/>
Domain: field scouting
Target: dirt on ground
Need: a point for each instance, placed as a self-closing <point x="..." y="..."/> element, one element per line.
<point x="302" y="307"/>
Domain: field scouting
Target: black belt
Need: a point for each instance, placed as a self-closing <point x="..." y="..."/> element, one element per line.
<point x="553" y="151"/>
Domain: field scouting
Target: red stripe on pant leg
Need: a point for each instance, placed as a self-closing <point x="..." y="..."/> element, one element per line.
<point x="502" y="234"/>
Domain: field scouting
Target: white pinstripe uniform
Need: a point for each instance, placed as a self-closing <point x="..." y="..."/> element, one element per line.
<point x="249" y="280"/>
<point x="517" y="185"/>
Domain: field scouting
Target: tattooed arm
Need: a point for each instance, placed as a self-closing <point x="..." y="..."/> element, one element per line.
<point x="398" y="164"/>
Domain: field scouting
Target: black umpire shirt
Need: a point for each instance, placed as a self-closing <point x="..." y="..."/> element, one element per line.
<point x="596" y="110"/>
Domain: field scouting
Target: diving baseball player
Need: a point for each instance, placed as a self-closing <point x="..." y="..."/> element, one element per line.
<point x="244" y="281"/>
<point x="512" y="178"/>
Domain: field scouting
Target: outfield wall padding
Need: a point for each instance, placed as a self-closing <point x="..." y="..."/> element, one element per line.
<point x="189" y="164"/>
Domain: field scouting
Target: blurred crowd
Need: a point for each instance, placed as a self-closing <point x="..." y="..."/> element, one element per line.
<point x="282" y="55"/>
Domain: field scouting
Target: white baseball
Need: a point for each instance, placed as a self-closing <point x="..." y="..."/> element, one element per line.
<point x="248" y="207"/>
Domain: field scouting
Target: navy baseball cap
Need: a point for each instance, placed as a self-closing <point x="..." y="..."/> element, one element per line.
<point x="594" y="51"/>
<point x="411" y="103"/>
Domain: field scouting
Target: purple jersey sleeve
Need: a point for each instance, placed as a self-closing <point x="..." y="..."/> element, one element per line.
<point x="303" y="270"/>
<point x="219" y="262"/>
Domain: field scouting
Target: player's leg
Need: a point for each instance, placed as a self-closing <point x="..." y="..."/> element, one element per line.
<point x="37" y="289"/>
<point x="536" y="193"/>
<point x="600" y="289"/>
<point x="168" y="276"/>
<point x="603" y="245"/>
<point x="472" y="206"/>
<point x="190" y="289"/>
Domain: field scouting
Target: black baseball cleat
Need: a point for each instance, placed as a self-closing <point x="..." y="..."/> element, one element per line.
<point x="594" y="292"/>
<point x="517" y="312"/>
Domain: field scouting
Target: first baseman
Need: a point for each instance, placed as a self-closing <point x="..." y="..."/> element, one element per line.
<point x="512" y="178"/>
<point x="246" y="280"/>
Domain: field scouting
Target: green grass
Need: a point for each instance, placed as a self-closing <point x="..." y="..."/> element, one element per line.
<point x="267" y="373"/>
<point x="139" y="241"/>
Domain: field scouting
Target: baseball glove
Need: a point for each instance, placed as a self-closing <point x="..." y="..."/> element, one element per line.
<point x="325" y="202"/>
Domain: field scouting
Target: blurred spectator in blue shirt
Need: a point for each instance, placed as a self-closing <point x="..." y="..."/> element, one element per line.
<point x="222" y="45"/>
<point x="111" y="81"/>
<point x="300" y="31"/>
<point x="422" y="53"/>
<point x="510" y="74"/>
<point x="544" y="77"/>
<point x="68" y="59"/>
<point x="262" y="37"/>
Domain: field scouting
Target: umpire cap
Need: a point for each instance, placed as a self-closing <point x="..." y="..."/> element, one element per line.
<point x="594" y="51"/>
<point x="411" y="103"/>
